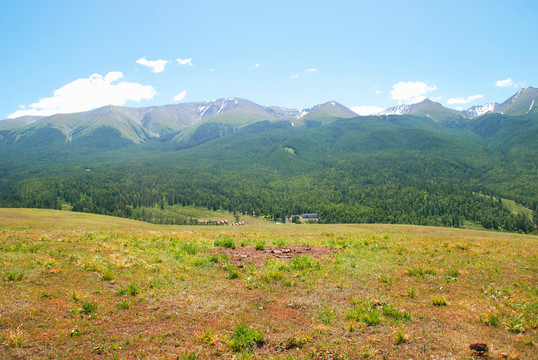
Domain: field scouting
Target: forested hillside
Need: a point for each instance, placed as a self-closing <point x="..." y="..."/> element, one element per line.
<point x="376" y="169"/>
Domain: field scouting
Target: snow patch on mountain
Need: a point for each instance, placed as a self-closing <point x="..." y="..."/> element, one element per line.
<point x="283" y="113"/>
<point x="480" y="110"/>
<point x="398" y="110"/>
<point x="530" y="108"/>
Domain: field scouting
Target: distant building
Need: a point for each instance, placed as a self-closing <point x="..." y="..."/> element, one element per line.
<point x="310" y="217"/>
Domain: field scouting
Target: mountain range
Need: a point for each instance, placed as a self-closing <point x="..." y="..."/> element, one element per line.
<point x="413" y="164"/>
<point x="180" y="122"/>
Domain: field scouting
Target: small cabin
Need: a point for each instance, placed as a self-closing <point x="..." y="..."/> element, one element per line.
<point x="310" y="217"/>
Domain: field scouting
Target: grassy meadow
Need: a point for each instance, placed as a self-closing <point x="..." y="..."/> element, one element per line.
<point x="83" y="286"/>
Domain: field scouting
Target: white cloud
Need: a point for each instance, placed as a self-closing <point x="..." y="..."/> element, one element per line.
<point x="311" y="70"/>
<point x="294" y="76"/>
<point x="437" y="99"/>
<point x="181" y="61"/>
<point x="410" y="92"/>
<point x="378" y="92"/>
<point x="466" y="100"/>
<point x="504" y="83"/>
<point x="257" y="65"/>
<point x="180" y="96"/>
<point x="87" y="94"/>
<point x="157" y="66"/>
<point x="366" y="110"/>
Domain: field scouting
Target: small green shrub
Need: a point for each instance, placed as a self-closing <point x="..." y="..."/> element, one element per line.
<point x="244" y="337"/>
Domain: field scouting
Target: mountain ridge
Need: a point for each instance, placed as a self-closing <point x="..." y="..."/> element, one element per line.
<point x="173" y="120"/>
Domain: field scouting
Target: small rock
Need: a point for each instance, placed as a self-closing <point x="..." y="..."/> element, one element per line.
<point x="480" y="348"/>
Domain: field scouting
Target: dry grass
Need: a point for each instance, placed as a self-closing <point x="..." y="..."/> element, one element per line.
<point x="84" y="286"/>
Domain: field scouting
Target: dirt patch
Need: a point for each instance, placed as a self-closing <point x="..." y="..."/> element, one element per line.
<point x="246" y="254"/>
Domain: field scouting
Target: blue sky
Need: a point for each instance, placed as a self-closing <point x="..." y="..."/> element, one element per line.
<point x="63" y="56"/>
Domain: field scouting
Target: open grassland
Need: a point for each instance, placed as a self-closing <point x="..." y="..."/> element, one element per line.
<point x="79" y="286"/>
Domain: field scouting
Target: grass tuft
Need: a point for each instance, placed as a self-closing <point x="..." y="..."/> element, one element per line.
<point x="88" y="308"/>
<point x="260" y="245"/>
<point x="209" y="337"/>
<point x="190" y="356"/>
<point x="393" y="313"/>
<point x="107" y="276"/>
<point x="490" y="319"/>
<point x="244" y="337"/>
<point x="302" y="262"/>
<point x="439" y="301"/>
<point x="123" y="304"/>
<point x="326" y="314"/>
<point x="13" y="276"/>
<point x="515" y="324"/>
<point x="131" y="290"/>
<point x="400" y="337"/>
<point x="225" y="241"/>
<point x="14" y="338"/>
<point x="420" y="271"/>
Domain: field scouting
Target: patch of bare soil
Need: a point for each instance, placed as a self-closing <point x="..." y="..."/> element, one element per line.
<point x="240" y="255"/>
